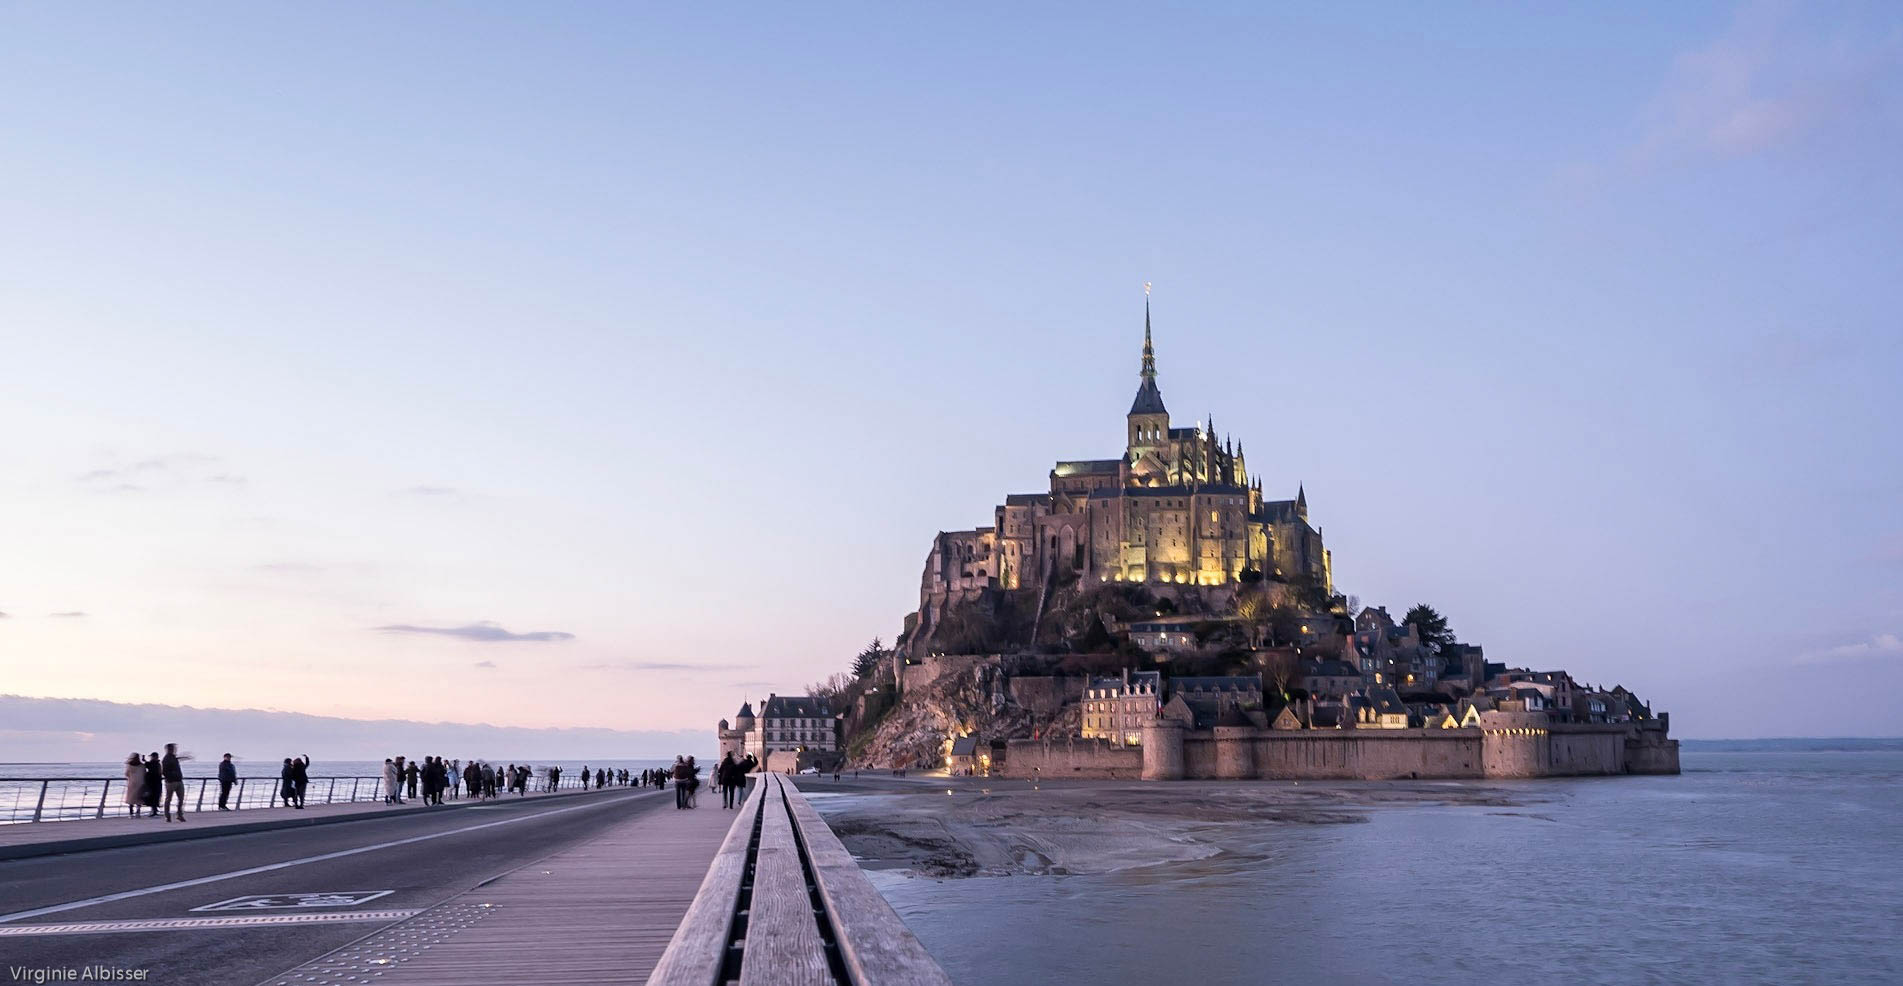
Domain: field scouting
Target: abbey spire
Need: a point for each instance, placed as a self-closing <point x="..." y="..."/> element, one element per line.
<point x="1149" y="399"/>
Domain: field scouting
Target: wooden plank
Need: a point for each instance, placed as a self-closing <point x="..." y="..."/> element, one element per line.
<point x="695" y="953"/>
<point x="782" y="944"/>
<point x="878" y="949"/>
<point x="599" y="912"/>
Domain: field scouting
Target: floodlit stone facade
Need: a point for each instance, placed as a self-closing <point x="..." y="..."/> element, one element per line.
<point x="1179" y="506"/>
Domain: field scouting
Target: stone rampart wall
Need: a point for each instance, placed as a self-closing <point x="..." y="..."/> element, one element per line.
<point x="1506" y="750"/>
<point x="1369" y="754"/>
<point x="1586" y="750"/>
<point x="1072" y="758"/>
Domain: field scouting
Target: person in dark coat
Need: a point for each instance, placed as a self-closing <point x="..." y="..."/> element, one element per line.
<point x="227" y="776"/>
<point x="287" y="784"/>
<point x="726" y="775"/>
<point x="154" y="783"/>
<point x="300" y="777"/>
<point x="174" y="775"/>
<point x="412" y="774"/>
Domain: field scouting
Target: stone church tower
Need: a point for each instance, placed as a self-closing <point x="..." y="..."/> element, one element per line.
<point x="1178" y="507"/>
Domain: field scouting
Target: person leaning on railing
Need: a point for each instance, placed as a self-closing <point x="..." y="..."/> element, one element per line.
<point x="227" y="776"/>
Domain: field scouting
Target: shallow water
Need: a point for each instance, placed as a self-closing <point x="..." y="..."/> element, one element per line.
<point x="1751" y="867"/>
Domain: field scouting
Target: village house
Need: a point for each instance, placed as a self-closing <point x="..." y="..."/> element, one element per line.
<point x="1116" y="709"/>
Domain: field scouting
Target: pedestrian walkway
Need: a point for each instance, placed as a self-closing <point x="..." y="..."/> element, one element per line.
<point x="41" y="838"/>
<point x="600" y="912"/>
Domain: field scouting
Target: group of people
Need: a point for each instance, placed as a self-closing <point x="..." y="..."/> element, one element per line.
<point x="731" y="777"/>
<point x="154" y="781"/>
<point x="440" y="777"/>
<point x="152" y="778"/>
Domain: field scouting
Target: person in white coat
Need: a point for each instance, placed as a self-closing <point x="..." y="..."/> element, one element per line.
<point x="135" y="784"/>
<point x="391" y="781"/>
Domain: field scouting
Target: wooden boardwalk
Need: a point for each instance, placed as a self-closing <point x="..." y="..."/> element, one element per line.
<point x="595" y="913"/>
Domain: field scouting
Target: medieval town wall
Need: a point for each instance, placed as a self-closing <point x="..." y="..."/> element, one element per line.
<point x="1369" y="754"/>
<point x="1508" y="749"/>
<point x="1648" y="751"/>
<point x="1199" y="754"/>
<point x="1071" y="757"/>
<point x="1580" y="750"/>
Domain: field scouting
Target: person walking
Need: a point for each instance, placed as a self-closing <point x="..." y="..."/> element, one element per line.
<point x="693" y="783"/>
<point x="227" y="776"/>
<point x="389" y="781"/>
<point x="135" y="784"/>
<point x="456" y="780"/>
<point x="174" y="781"/>
<point x="724" y="778"/>
<point x="154" y="783"/>
<point x="680" y="782"/>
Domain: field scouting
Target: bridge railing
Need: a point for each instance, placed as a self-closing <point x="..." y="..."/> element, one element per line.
<point x="61" y="799"/>
<point x="784" y="903"/>
<point x="65" y="799"/>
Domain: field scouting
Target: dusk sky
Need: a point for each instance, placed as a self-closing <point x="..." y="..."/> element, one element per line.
<point x="603" y="365"/>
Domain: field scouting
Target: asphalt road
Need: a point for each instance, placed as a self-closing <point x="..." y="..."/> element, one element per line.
<point x="454" y="849"/>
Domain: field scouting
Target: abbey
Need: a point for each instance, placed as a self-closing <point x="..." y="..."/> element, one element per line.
<point x="1178" y="506"/>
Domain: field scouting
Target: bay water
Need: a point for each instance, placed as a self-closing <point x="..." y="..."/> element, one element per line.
<point x="1762" y="864"/>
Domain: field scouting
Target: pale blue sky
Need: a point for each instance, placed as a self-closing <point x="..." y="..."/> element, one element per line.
<point x="683" y="332"/>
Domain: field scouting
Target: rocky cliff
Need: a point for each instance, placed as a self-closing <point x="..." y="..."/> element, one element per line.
<point x="972" y="701"/>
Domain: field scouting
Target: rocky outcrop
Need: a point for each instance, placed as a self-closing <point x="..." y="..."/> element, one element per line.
<point x="971" y="701"/>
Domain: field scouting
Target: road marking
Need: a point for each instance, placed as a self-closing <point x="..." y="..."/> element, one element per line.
<point x="200" y="924"/>
<point x="268" y="867"/>
<point x="260" y="902"/>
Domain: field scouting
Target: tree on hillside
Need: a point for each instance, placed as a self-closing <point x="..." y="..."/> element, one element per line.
<point x="1252" y="604"/>
<point x="868" y="660"/>
<point x="835" y="692"/>
<point x="1285" y="626"/>
<point x="1430" y="625"/>
<point x="1281" y="669"/>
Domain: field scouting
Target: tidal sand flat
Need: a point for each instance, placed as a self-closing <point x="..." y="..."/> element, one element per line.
<point x="1751" y="867"/>
<point x="970" y="828"/>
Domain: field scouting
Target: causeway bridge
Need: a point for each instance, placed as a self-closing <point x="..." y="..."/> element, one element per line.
<point x="605" y="886"/>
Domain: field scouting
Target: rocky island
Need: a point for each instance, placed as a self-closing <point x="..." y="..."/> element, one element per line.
<point x="1156" y="616"/>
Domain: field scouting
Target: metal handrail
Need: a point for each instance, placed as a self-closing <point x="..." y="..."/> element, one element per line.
<point x="74" y="797"/>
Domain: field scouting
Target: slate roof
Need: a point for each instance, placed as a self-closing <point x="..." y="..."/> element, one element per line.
<point x="1330" y="668"/>
<point x="794" y="707"/>
<point x="746" y="710"/>
<point x="1025" y="499"/>
<point x="965" y="746"/>
<point x="1246" y="683"/>
<point x="1149" y="400"/>
<point x="1387" y="702"/>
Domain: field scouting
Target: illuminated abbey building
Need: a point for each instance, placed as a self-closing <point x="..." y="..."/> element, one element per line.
<point x="1177" y="507"/>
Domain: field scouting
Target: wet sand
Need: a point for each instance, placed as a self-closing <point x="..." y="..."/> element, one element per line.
<point x="964" y="827"/>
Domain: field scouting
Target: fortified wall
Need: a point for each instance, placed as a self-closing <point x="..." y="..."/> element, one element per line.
<point x="1505" y="745"/>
